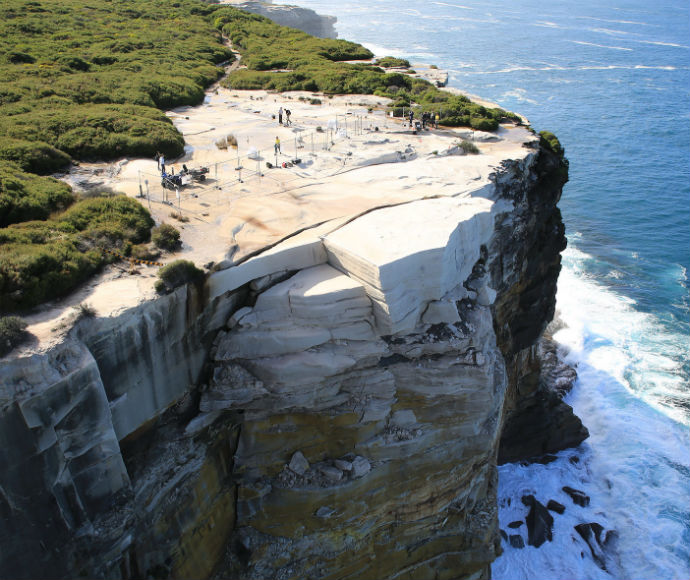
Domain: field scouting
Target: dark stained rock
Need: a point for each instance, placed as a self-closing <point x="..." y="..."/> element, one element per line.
<point x="536" y="422"/>
<point x="545" y="459"/>
<point x="554" y="506"/>
<point x="504" y="535"/>
<point x="515" y="524"/>
<point x="600" y="544"/>
<point x="539" y="522"/>
<point x="579" y="497"/>
<point x="540" y="423"/>
<point x="516" y="541"/>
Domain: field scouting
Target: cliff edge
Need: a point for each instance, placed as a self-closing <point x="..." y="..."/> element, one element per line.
<point x="330" y="401"/>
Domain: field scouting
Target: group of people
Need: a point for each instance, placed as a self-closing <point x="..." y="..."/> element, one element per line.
<point x="427" y="118"/>
<point x="287" y="112"/>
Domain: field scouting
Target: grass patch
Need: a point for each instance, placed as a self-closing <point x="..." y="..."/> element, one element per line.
<point x="550" y="141"/>
<point x="85" y="80"/>
<point x="468" y="147"/>
<point x="25" y="197"/>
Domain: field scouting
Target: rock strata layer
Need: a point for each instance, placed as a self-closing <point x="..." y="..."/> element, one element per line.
<point x="331" y="408"/>
<point x="295" y="17"/>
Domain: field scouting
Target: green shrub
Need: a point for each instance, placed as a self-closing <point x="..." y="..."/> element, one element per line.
<point x="166" y="237"/>
<point x="12" y="333"/>
<point x="33" y="156"/>
<point x="42" y="260"/>
<point x="145" y="252"/>
<point x="25" y="197"/>
<point x="176" y="274"/>
<point x="392" y="62"/>
<point x="551" y="142"/>
<point x="483" y="124"/>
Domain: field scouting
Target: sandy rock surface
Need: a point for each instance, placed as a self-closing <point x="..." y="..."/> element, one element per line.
<point x="345" y="157"/>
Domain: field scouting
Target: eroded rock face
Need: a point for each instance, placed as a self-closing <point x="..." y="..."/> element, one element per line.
<point x="353" y="391"/>
<point x="294" y="17"/>
<point x="371" y="426"/>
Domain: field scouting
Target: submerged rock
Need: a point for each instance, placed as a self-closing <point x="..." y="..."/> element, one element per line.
<point x="554" y="506"/>
<point x="600" y="544"/>
<point x="579" y="497"/>
<point x="539" y="522"/>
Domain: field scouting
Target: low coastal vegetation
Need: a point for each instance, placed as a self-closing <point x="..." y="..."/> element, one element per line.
<point x="166" y="237"/>
<point x="392" y="62"/>
<point x="551" y="142"/>
<point x="12" y="333"/>
<point x="176" y="274"/>
<point x="40" y="260"/>
<point x="284" y="59"/>
<point x="88" y="81"/>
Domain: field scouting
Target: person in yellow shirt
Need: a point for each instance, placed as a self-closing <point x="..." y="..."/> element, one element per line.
<point x="276" y="147"/>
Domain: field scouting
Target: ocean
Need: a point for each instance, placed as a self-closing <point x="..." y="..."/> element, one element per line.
<point x="612" y="81"/>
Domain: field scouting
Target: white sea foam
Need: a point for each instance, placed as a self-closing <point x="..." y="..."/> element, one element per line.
<point x="614" y="21"/>
<point x="658" y="43"/>
<point x="452" y="5"/>
<point x="600" y="45"/>
<point x="380" y="51"/>
<point x="634" y="466"/>
<point x="611" y="32"/>
<point x="519" y="95"/>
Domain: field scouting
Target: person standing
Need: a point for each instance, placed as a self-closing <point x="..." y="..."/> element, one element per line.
<point x="280" y="116"/>
<point x="276" y="147"/>
<point x="161" y="162"/>
<point x="437" y="119"/>
<point x="411" y="117"/>
<point x="287" y="118"/>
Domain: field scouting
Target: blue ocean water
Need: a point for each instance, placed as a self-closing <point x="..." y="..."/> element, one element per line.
<point x="612" y="80"/>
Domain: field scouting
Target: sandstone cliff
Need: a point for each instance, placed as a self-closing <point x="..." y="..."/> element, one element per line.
<point x="330" y="408"/>
<point x="293" y="16"/>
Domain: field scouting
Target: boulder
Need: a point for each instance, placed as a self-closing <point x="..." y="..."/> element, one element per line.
<point x="539" y="522"/>
<point x="298" y="463"/>
<point x="331" y="473"/>
<point x="600" y="544"/>
<point x="554" y="506"/>
<point x="578" y="497"/>
<point x="516" y="541"/>
<point x="360" y="466"/>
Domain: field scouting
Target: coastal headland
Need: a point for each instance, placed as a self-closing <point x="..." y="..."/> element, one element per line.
<point x="328" y="401"/>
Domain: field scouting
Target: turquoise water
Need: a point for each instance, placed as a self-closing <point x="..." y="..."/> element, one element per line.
<point x="612" y="80"/>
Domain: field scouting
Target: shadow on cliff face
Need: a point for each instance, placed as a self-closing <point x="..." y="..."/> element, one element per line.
<point x="540" y="423"/>
<point x="525" y="261"/>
